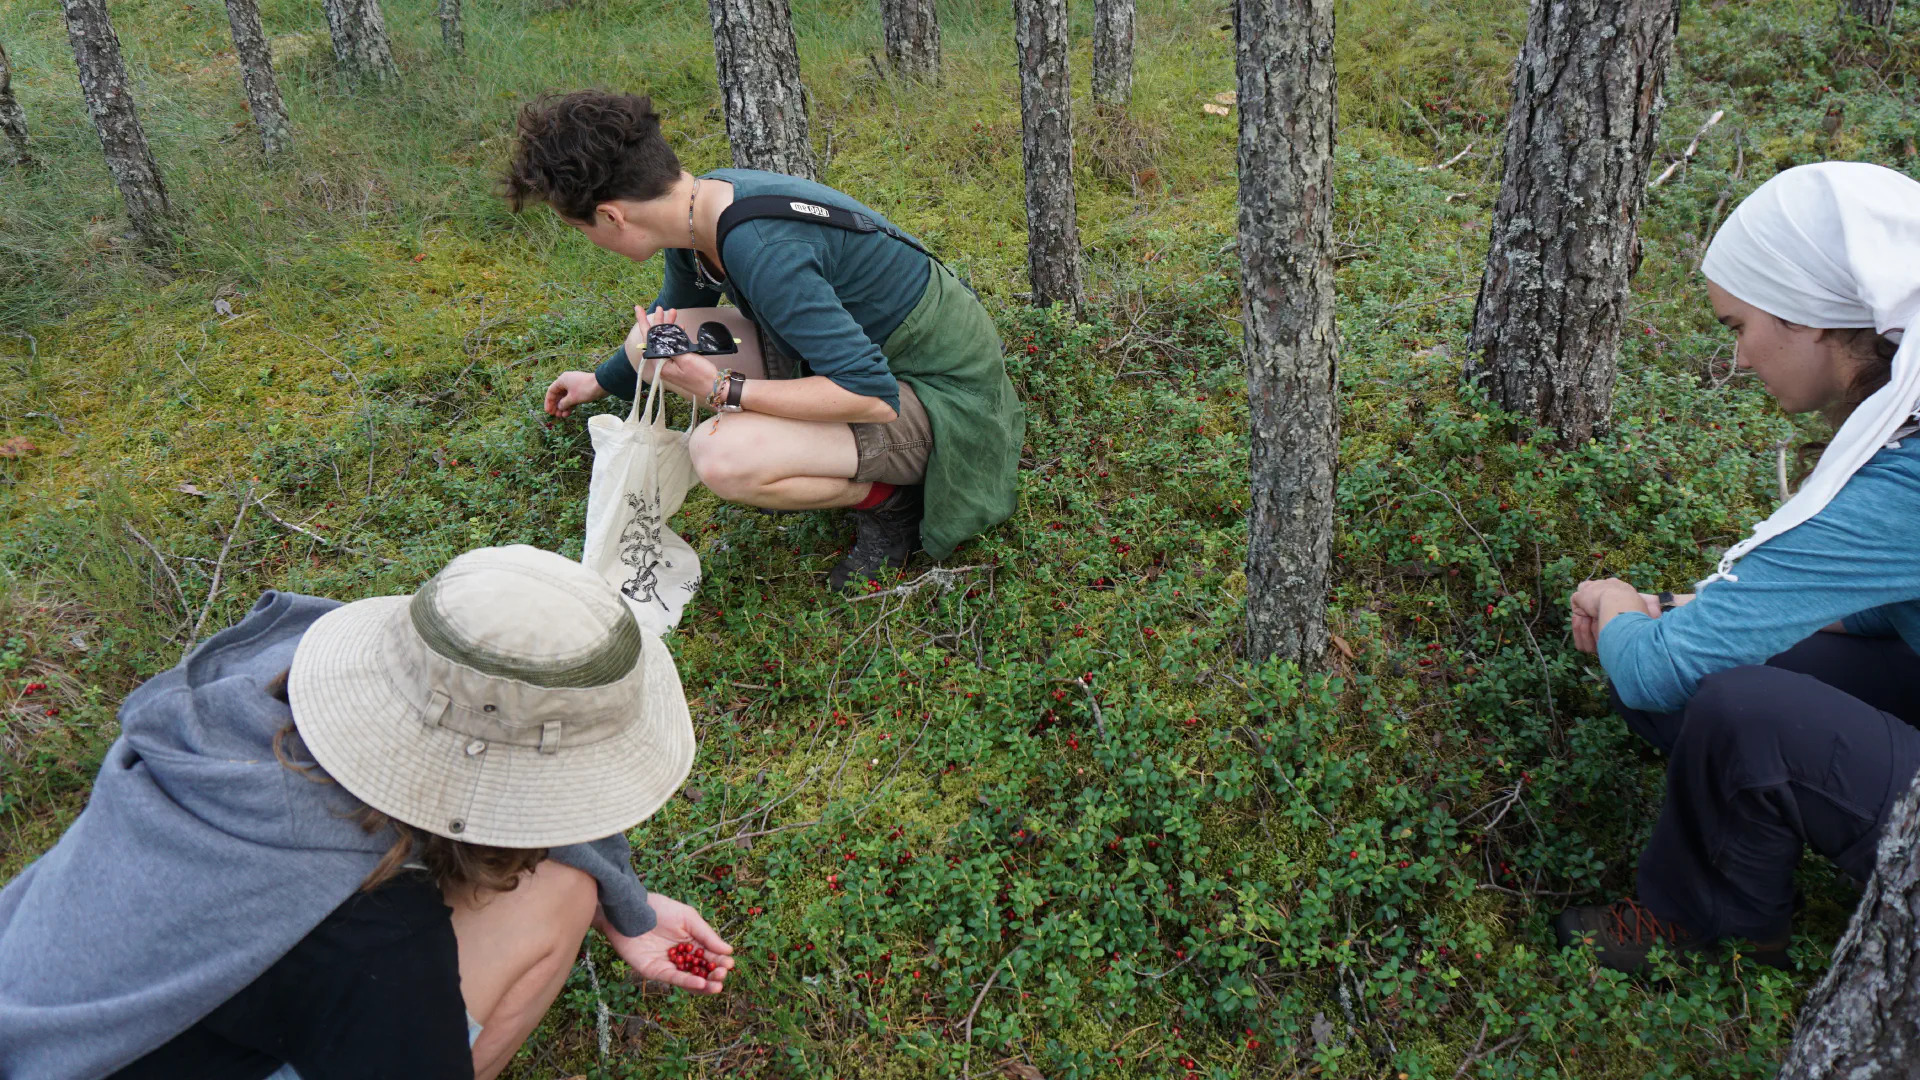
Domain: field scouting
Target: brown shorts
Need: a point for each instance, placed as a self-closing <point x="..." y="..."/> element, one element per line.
<point x="895" y="453"/>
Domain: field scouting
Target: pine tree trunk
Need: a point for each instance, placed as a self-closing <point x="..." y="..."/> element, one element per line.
<point x="103" y="82"/>
<point x="1046" y="123"/>
<point x="1586" y="98"/>
<point x="1113" y="52"/>
<point x="1286" y="100"/>
<point x="913" y="38"/>
<point x="759" y="69"/>
<point x="360" y="43"/>
<point x="13" y="119"/>
<point x="256" y="75"/>
<point x="1863" y="1020"/>
<point x="1872" y="12"/>
<point x="452" y="35"/>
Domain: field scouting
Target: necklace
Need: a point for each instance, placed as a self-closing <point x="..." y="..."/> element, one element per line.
<point x="700" y="272"/>
<point x="690" y="201"/>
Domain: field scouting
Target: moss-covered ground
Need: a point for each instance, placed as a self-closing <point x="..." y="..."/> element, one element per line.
<point x="940" y="852"/>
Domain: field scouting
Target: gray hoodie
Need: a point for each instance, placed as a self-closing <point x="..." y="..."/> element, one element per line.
<point x="199" y="861"/>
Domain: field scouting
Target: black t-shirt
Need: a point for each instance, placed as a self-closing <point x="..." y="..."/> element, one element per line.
<point x="373" y="993"/>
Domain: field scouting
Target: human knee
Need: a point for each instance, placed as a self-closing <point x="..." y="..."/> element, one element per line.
<point x="1739" y="706"/>
<point x="1740" y="695"/>
<point x="724" y="465"/>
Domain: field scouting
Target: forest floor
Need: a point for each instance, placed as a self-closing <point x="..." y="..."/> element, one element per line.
<point x="939" y="854"/>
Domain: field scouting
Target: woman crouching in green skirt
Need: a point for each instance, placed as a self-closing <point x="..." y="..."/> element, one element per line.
<point x="882" y="389"/>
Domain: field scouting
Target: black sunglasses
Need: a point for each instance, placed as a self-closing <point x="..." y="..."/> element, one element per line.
<point x="667" y="339"/>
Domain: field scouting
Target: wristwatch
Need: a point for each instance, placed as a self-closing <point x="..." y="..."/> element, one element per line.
<point x="1666" y="602"/>
<point x="725" y="396"/>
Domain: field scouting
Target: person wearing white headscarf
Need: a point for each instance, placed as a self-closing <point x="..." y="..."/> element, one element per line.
<point x="1781" y="737"/>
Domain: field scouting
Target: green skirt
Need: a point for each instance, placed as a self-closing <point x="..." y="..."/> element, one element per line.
<point x="948" y="350"/>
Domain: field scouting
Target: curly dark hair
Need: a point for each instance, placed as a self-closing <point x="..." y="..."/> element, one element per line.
<point x="579" y="150"/>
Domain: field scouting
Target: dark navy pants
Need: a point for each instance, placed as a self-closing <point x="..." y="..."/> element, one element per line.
<point x="1810" y="750"/>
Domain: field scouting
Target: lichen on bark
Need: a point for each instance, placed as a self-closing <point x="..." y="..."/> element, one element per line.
<point x="1046" y="145"/>
<point x="759" y="72"/>
<point x="1562" y="243"/>
<point x="1287" y="122"/>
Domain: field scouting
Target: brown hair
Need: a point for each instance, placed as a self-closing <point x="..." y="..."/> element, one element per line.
<point x="454" y="866"/>
<point x="1873" y="352"/>
<point x="588" y="147"/>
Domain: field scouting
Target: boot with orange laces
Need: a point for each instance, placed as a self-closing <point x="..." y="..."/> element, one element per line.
<point x="1624" y="932"/>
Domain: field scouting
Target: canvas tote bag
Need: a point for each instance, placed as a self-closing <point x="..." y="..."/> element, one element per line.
<point x="642" y="471"/>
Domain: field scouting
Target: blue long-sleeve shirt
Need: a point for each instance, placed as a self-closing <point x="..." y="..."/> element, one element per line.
<point x="825" y="296"/>
<point x="1857" y="560"/>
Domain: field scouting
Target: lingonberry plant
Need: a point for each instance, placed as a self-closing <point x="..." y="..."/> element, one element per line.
<point x="1043" y="814"/>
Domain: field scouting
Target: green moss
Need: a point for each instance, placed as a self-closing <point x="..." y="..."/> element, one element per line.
<point x="1234" y="833"/>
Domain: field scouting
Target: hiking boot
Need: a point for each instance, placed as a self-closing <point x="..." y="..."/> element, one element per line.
<point x="1624" y="932"/>
<point x="885" y="536"/>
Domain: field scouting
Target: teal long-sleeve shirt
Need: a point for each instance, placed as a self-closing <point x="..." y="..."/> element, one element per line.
<point x="1858" y="560"/>
<point x="827" y="297"/>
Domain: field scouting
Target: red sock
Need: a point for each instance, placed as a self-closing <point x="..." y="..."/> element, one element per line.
<point x="875" y="496"/>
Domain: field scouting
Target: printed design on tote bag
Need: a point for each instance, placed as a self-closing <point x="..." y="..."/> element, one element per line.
<point x="642" y="549"/>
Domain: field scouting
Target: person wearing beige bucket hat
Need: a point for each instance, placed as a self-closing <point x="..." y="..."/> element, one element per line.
<point x="360" y="840"/>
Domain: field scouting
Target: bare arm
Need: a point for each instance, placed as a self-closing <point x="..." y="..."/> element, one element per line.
<point x="814" y="397"/>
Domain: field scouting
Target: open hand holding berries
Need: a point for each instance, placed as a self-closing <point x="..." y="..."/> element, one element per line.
<point x="691" y="959"/>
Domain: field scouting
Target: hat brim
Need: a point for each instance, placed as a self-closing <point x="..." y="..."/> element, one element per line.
<point x="366" y="725"/>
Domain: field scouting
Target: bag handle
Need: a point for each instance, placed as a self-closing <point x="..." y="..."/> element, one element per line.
<point x="651" y="409"/>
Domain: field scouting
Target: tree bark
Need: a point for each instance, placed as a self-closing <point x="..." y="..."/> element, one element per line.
<point x="1863" y="1020"/>
<point x="360" y="44"/>
<point x="1872" y="12"/>
<point x="913" y="38"/>
<point x="1286" y="100"/>
<point x="13" y="119"/>
<point x="1113" y="52"/>
<point x="759" y="70"/>
<point x="256" y="76"/>
<point x="452" y="34"/>
<point x="1046" y="123"/>
<point x="1561" y="248"/>
<point x="103" y="82"/>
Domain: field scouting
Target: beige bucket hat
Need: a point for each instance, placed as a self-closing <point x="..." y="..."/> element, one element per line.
<point x="512" y="702"/>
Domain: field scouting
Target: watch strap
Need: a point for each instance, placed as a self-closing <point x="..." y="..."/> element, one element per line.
<point x="1666" y="601"/>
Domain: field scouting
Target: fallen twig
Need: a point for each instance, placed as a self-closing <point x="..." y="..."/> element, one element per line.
<point x="1099" y="718"/>
<point x="1530" y="893"/>
<point x="304" y="531"/>
<point x="220" y="564"/>
<point x="161" y="559"/>
<point x="1475" y="1054"/>
<point x="1449" y="163"/>
<point x="966" y="1026"/>
<point x="751" y="835"/>
<point x="939" y="575"/>
<point x="1691" y="147"/>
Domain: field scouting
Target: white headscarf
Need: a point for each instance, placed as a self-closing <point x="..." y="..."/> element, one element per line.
<point x="1831" y="245"/>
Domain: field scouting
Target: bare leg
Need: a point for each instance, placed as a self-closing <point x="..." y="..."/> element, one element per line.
<point x="778" y="463"/>
<point x="516" y="949"/>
